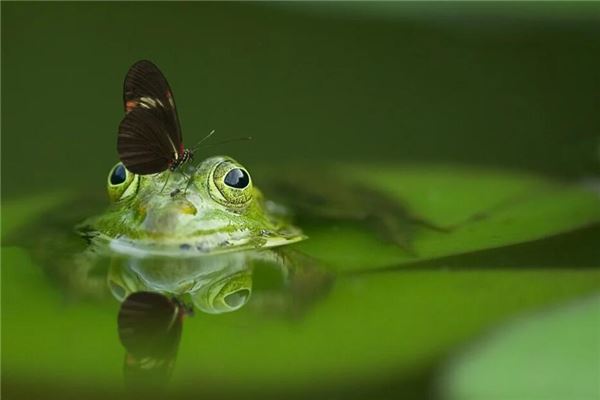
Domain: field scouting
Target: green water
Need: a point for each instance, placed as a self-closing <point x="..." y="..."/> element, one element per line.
<point x="455" y="110"/>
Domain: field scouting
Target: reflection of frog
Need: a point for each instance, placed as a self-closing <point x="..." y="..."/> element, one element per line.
<point x="157" y="292"/>
<point x="222" y="283"/>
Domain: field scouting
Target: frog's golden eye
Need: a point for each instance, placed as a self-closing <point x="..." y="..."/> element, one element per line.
<point x="233" y="184"/>
<point x="121" y="183"/>
<point x="237" y="178"/>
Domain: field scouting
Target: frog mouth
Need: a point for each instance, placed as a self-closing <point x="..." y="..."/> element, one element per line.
<point x="198" y="246"/>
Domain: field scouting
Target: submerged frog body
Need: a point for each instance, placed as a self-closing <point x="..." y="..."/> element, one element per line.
<point x="214" y="209"/>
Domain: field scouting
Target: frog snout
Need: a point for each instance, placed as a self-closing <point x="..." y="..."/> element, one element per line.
<point x="168" y="218"/>
<point x="185" y="207"/>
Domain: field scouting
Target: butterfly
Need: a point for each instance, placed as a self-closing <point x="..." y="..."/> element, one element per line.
<point x="149" y="139"/>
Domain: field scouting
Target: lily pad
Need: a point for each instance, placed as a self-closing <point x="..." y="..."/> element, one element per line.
<point x="551" y="355"/>
<point x="482" y="209"/>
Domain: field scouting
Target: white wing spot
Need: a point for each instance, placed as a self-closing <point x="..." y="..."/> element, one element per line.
<point x="149" y="102"/>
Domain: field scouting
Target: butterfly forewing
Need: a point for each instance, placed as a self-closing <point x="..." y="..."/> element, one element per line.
<point x="146" y="87"/>
<point x="143" y="143"/>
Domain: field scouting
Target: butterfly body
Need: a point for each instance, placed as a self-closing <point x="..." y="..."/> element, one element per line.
<point x="181" y="158"/>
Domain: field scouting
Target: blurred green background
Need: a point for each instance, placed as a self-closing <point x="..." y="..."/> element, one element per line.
<point x="503" y="84"/>
<point x="515" y="86"/>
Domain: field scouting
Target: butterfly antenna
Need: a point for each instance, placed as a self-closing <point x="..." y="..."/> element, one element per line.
<point x="189" y="182"/>
<point x="205" y="138"/>
<point x="238" y="139"/>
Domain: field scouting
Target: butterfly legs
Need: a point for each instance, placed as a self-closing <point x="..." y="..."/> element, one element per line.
<point x="166" y="181"/>
<point x="187" y="177"/>
<point x="190" y="179"/>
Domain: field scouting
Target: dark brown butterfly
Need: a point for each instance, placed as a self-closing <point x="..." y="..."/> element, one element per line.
<point x="149" y="139"/>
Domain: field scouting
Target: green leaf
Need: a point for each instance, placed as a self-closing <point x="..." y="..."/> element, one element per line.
<point x="550" y="355"/>
<point x="488" y="209"/>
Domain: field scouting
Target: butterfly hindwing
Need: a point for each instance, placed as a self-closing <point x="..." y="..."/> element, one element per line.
<point x="143" y="143"/>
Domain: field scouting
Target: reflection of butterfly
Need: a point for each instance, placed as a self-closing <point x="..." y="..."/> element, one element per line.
<point x="149" y="139"/>
<point x="150" y="326"/>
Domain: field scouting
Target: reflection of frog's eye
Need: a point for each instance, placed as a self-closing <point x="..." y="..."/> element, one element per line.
<point x="237" y="299"/>
<point x="117" y="290"/>
<point x="233" y="184"/>
<point x="121" y="183"/>
<point x="225" y="295"/>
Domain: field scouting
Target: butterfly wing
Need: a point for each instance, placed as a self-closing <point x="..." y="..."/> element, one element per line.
<point x="143" y="143"/>
<point x="146" y="87"/>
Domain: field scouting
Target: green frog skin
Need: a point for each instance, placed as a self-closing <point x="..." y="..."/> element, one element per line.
<point x="209" y="210"/>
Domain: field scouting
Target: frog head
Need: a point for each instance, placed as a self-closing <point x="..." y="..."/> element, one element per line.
<point x="210" y="208"/>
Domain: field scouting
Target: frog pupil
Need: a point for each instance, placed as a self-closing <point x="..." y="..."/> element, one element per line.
<point x="237" y="178"/>
<point x="119" y="175"/>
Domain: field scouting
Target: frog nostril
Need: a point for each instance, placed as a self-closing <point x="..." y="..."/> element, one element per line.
<point x="187" y="208"/>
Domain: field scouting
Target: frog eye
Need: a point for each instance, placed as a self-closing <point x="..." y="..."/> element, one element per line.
<point x="233" y="184"/>
<point x="118" y="175"/>
<point x="121" y="183"/>
<point x="237" y="178"/>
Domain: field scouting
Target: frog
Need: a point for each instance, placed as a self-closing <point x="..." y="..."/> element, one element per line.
<point x="191" y="241"/>
<point x="215" y="209"/>
<point x="194" y="234"/>
<point x="181" y="231"/>
<point x="193" y="216"/>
